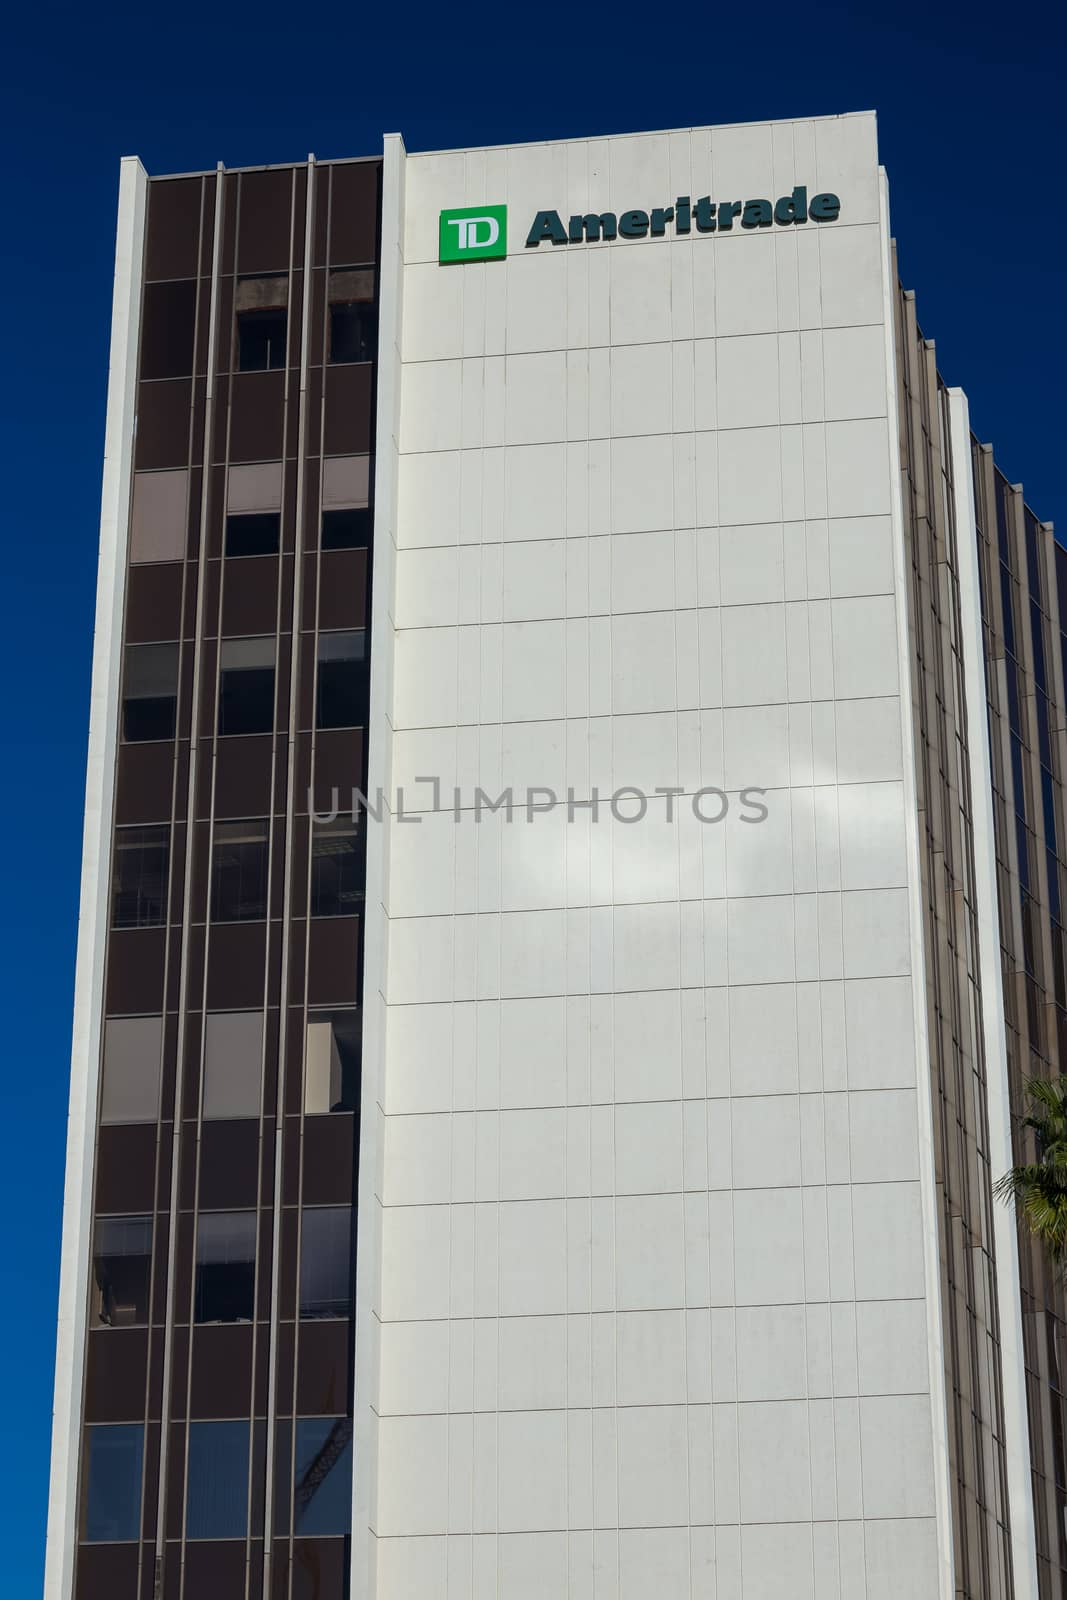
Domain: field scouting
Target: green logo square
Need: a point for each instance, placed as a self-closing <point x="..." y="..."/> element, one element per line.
<point x="474" y="233"/>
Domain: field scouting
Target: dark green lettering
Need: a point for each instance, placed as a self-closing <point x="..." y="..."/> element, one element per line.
<point x="705" y="215"/>
<point x="728" y="210"/>
<point x="793" y="207"/>
<point x="757" y="214"/>
<point x="546" y="225"/>
<point x="661" y="215"/>
<point x="593" y="227"/>
<point x="633" y="224"/>
<point x="825" y="208"/>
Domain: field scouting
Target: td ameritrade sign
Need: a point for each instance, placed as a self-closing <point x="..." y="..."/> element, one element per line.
<point x="479" y="233"/>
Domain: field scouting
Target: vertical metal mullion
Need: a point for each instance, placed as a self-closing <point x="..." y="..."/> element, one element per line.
<point x="271" y="869"/>
<point x="194" y="735"/>
<point x="166" y="953"/>
<point x="286" y="945"/>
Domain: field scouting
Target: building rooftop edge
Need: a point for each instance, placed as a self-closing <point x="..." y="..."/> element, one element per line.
<point x="525" y="144"/>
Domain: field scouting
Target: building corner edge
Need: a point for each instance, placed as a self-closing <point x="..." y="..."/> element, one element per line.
<point x="376" y="933"/>
<point x="95" y="874"/>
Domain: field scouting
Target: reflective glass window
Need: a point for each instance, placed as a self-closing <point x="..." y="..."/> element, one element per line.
<point x="225" y="1266"/>
<point x="217" y="1486"/>
<point x="139" y="890"/>
<point x="326" y="1261"/>
<point x="111" y="1498"/>
<point x="122" y="1271"/>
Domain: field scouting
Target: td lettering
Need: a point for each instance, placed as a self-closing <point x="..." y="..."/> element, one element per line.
<point x="473" y="233"/>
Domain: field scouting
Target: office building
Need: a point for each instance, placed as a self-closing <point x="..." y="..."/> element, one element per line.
<point x="568" y="1173"/>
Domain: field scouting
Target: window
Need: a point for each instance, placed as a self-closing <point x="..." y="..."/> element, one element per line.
<point x="261" y="339"/>
<point x="225" y="1266"/>
<point x="217" y="1491"/>
<point x="331" y="1062"/>
<point x="346" y="530"/>
<point x="239" y="872"/>
<point x="233" y="1063"/>
<point x="254" y="533"/>
<point x="326" y="1250"/>
<point x="150" y="692"/>
<point x="139" y="891"/>
<point x="246" y="685"/>
<point x="131" y="1071"/>
<point x="353" y="317"/>
<point x="159" y="516"/>
<point x="322" y="1498"/>
<point x="122" y="1271"/>
<point x="341" y="695"/>
<point x="352" y="326"/>
<point x="337" y="877"/>
<point x="111" y="1494"/>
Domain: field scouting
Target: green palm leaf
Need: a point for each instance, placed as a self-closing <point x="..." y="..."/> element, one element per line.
<point x="1038" y="1189"/>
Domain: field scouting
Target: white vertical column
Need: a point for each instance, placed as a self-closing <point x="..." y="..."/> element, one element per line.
<point x="96" y="871"/>
<point x="998" y="1107"/>
<point x="376" y="932"/>
<point x="932" y="1221"/>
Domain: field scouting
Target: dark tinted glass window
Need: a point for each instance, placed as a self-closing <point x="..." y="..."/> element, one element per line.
<point x="139" y="893"/>
<point x="352" y="331"/>
<point x="225" y="1267"/>
<point x="239" y="872"/>
<point x="322" y="1492"/>
<point x="341" y="696"/>
<point x="122" y="1271"/>
<point x="246" y="685"/>
<point x="150" y="691"/>
<point x="326" y="1254"/>
<point x="261" y="339"/>
<point x="331" y="1063"/>
<point x="253" y="534"/>
<point x="111" y="1500"/>
<point x="346" y="530"/>
<point x="217" y="1502"/>
<point x="337" y="872"/>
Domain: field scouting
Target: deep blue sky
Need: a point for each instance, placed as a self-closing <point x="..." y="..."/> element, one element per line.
<point x="970" y="108"/>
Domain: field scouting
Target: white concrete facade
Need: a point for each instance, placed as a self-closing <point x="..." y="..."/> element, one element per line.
<point x="94" y="902"/>
<point x="648" y="1276"/>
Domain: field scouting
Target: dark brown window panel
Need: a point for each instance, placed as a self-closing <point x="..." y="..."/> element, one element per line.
<point x="125" y="1169"/>
<point x="264" y="220"/>
<point x="153" y="602"/>
<point x="215" y="1569"/>
<point x="173" y="235"/>
<point x="145" y="783"/>
<point x="330" y="1153"/>
<point x="257" y="416"/>
<point x="107" y="1569"/>
<point x="168" y="329"/>
<point x="163" y="416"/>
<point x="236" y="965"/>
<point x="116" y="1376"/>
<point x="343" y="584"/>
<point x="324" y="1375"/>
<point x="243" y="776"/>
<point x="250" y="596"/>
<point x="221" y="1384"/>
<point x="349" y="409"/>
<point x="135" y="970"/>
<point x="354" y="212"/>
<point x="229" y="1164"/>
